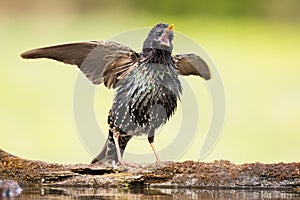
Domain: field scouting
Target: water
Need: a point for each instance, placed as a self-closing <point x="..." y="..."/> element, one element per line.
<point x="149" y="194"/>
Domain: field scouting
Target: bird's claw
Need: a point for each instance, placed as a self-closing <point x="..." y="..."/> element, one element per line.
<point x="124" y="163"/>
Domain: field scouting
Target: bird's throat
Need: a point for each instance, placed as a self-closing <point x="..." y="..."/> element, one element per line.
<point x="159" y="56"/>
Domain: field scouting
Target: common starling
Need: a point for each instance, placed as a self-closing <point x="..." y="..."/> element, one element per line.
<point x="147" y="84"/>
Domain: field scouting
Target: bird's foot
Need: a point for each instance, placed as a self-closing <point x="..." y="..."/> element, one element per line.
<point x="163" y="163"/>
<point x="124" y="163"/>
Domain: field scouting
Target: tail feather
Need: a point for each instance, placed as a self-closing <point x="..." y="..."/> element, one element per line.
<point x="109" y="151"/>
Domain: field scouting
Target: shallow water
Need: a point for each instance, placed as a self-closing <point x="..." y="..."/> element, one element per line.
<point x="157" y="194"/>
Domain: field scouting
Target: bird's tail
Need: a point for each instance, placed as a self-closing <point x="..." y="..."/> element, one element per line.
<point x="109" y="151"/>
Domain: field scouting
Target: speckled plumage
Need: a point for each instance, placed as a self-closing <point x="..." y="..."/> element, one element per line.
<point x="147" y="97"/>
<point x="150" y="89"/>
<point x="146" y="83"/>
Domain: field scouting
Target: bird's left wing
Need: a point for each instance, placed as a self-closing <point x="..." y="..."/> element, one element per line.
<point x="101" y="61"/>
<point x="191" y="64"/>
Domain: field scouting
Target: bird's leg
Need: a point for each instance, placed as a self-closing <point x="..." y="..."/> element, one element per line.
<point x="116" y="140"/>
<point x="116" y="136"/>
<point x="151" y="140"/>
<point x="154" y="151"/>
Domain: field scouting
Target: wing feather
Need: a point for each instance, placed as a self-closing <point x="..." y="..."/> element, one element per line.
<point x="101" y="61"/>
<point x="191" y="64"/>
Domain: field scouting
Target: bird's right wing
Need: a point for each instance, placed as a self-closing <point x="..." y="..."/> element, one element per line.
<point x="191" y="64"/>
<point x="101" y="61"/>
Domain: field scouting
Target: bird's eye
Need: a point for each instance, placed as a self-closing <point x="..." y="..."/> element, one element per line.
<point x="159" y="33"/>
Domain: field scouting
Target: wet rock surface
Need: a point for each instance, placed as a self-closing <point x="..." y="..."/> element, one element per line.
<point x="9" y="188"/>
<point x="226" y="174"/>
<point x="188" y="174"/>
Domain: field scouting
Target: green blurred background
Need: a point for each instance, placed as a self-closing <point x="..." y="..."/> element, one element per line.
<point x="254" y="45"/>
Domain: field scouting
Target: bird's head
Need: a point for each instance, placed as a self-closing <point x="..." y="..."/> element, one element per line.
<point x="160" y="37"/>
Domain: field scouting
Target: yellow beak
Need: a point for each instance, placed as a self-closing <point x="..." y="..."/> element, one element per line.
<point x="171" y="27"/>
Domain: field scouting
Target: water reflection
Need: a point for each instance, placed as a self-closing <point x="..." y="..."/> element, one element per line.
<point x="157" y="194"/>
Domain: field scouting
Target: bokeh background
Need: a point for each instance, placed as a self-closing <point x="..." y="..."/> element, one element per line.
<point x="254" y="45"/>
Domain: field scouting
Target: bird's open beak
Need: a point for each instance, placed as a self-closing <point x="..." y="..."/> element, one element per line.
<point x="171" y="27"/>
<point x="164" y="38"/>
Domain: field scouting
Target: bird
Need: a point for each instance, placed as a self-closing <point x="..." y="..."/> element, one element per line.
<point x="147" y="83"/>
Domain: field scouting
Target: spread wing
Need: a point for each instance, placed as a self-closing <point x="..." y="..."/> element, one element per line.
<point x="101" y="61"/>
<point x="191" y="64"/>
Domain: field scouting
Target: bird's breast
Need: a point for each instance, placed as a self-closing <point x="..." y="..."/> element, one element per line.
<point x="147" y="97"/>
